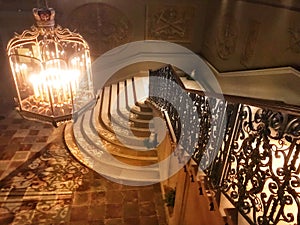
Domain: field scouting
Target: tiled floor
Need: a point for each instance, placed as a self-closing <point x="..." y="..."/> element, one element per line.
<point x="41" y="183"/>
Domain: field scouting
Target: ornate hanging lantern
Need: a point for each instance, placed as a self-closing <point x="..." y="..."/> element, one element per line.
<point x="51" y="67"/>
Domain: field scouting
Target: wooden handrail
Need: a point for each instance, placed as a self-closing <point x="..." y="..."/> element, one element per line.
<point x="264" y="103"/>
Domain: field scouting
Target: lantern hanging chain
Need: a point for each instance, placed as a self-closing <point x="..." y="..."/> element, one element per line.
<point x="44" y="4"/>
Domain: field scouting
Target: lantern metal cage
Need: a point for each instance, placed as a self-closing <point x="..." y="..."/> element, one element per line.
<point x="51" y="67"/>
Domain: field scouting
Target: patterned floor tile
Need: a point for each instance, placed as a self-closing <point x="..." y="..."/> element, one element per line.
<point x="42" y="183"/>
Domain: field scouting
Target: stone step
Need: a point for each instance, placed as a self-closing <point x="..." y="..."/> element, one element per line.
<point x="103" y="162"/>
<point x="112" y="137"/>
<point x="121" y="116"/>
<point x="87" y="127"/>
<point x="125" y="104"/>
<point x="106" y="132"/>
<point x="135" y="121"/>
<point x="144" y="107"/>
<point x="119" y="121"/>
<point x="85" y="132"/>
<point x="138" y="110"/>
<point x="140" y="115"/>
<point x="127" y="127"/>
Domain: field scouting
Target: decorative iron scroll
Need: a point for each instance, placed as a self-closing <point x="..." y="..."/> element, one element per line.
<point x="160" y="91"/>
<point x="262" y="174"/>
<point x="210" y="116"/>
<point x="167" y="93"/>
<point x="257" y="164"/>
<point x="215" y="171"/>
<point x="201" y="141"/>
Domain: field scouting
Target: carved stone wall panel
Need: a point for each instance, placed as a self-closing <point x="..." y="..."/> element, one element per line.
<point x="250" y="43"/>
<point x="103" y="26"/>
<point x="201" y="26"/>
<point x="170" y="22"/>
<point x="227" y="37"/>
<point x="294" y="38"/>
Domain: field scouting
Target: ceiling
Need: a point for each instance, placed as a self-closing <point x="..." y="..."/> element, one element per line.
<point x="232" y="35"/>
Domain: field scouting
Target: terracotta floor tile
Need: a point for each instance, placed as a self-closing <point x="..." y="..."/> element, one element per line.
<point x="22" y="155"/>
<point x="114" y="221"/>
<point x="25" y="147"/>
<point x="146" y="194"/>
<point x="3" y="127"/>
<point x="114" y="197"/>
<point x="131" y="210"/>
<point x="114" y="211"/>
<point x="7" y="155"/>
<point x="98" y="197"/>
<point x="33" y="132"/>
<point x="41" y="139"/>
<point x="79" y="213"/>
<point x="4" y="140"/>
<point x="130" y="195"/>
<point x="147" y="209"/>
<point x="29" y="140"/>
<point x="96" y="222"/>
<point x="4" y="164"/>
<point x="21" y="133"/>
<point x="8" y="133"/>
<point x="81" y="198"/>
<point x="15" y="164"/>
<point x="132" y="221"/>
<point x="36" y="147"/>
<point x="17" y="140"/>
<point x="149" y="220"/>
<point x="96" y="212"/>
<point x="3" y="147"/>
<point x="76" y="195"/>
<point x="25" y="126"/>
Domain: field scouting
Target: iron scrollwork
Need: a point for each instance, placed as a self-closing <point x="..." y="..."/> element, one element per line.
<point x="256" y="164"/>
<point x="203" y="115"/>
<point x="262" y="176"/>
<point x="211" y="112"/>
<point x="161" y="89"/>
<point x="215" y="171"/>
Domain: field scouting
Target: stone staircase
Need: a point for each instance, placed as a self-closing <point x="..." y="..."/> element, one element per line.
<point x="115" y="136"/>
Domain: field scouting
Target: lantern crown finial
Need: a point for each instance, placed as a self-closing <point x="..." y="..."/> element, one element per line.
<point x="44" y="17"/>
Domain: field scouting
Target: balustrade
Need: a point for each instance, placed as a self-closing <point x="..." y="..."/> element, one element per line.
<point x="248" y="148"/>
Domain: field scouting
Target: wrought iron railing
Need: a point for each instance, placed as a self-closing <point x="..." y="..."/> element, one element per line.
<point x="256" y="165"/>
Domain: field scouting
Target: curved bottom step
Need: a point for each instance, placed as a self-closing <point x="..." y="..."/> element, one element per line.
<point x="107" y="165"/>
